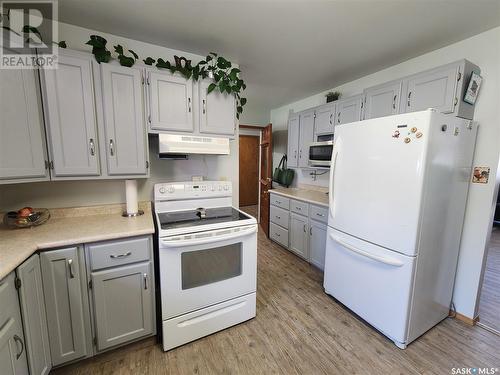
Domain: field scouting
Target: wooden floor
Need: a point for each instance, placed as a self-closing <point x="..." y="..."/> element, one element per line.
<point x="301" y="330"/>
<point x="489" y="304"/>
<point x="251" y="210"/>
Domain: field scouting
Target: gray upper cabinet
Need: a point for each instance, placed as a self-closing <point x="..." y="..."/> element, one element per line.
<point x="306" y="136"/>
<point x="123" y="304"/>
<point x="324" y="121"/>
<point x="12" y="347"/>
<point x="70" y="116"/>
<point x="217" y="111"/>
<point x="293" y="140"/>
<point x="123" y="103"/>
<point x="22" y="138"/>
<point x="382" y="100"/>
<point x="349" y="109"/>
<point x="33" y="316"/>
<point x="66" y="305"/>
<point x="298" y="242"/>
<point x="170" y="102"/>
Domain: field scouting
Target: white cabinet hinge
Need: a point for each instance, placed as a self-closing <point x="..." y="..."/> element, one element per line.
<point x="95" y="341"/>
<point x="90" y="284"/>
<point x="147" y="164"/>
<point x="149" y="119"/>
<point x="459" y="76"/>
<point x="47" y="164"/>
<point x="51" y="164"/>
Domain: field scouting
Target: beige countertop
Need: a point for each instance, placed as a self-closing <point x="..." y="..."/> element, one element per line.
<point x="70" y="226"/>
<point x="314" y="196"/>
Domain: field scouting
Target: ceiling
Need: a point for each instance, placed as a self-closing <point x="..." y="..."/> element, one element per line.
<point x="288" y="50"/>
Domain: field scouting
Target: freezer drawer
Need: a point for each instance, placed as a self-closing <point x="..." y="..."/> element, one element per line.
<point x="372" y="281"/>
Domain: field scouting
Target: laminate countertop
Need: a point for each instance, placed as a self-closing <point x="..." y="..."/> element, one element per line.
<point x="71" y="226"/>
<point x="318" y="197"/>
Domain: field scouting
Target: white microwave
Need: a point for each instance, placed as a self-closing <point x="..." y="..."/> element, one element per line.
<point x="320" y="154"/>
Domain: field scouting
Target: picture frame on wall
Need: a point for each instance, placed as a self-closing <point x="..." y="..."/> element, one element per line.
<point x="473" y="88"/>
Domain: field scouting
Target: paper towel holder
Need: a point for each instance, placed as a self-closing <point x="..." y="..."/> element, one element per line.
<point x="132" y="214"/>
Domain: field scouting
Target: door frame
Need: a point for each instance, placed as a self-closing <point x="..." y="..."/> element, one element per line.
<point x="255" y="131"/>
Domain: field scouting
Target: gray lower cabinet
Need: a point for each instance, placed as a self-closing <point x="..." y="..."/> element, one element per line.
<point x="123" y="304"/>
<point x="66" y="303"/>
<point x="298" y="235"/>
<point x="317" y="243"/>
<point x="34" y="318"/>
<point x="12" y="346"/>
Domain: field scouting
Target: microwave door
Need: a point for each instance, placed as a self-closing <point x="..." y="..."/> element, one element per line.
<point x="320" y="154"/>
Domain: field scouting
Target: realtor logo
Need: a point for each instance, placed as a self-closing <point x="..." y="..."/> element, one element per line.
<point x="28" y="31"/>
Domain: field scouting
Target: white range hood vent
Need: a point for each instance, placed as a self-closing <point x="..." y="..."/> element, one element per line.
<point x="188" y="144"/>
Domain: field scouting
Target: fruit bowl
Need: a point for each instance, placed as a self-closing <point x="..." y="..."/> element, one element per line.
<point x="15" y="219"/>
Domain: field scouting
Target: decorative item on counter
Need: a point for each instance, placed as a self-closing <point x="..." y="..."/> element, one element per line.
<point x="26" y="217"/>
<point x="282" y="175"/>
<point x="131" y="199"/>
<point x="473" y="88"/>
<point x="332" y="96"/>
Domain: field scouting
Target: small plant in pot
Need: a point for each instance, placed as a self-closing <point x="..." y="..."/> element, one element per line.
<point x="332" y="96"/>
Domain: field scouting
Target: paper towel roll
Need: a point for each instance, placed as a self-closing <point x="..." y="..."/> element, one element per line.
<point x="131" y="196"/>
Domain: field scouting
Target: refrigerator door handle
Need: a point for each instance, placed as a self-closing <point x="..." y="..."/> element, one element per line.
<point x="385" y="260"/>
<point x="332" y="173"/>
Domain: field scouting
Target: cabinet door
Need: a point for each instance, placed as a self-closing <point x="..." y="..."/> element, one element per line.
<point x="298" y="235"/>
<point x="324" y="119"/>
<point x="306" y="136"/>
<point x="64" y="304"/>
<point x="124" y="120"/>
<point x="293" y="141"/>
<point x="33" y="315"/>
<point x="317" y="243"/>
<point x="217" y="111"/>
<point x="349" y="109"/>
<point x="123" y="303"/>
<point x="170" y="102"/>
<point x="12" y="347"/>
<point x="22" y="138"/>
<point x="71" y="119"/>
<point x="382" y="100"/>
<point x="432" y="89"/>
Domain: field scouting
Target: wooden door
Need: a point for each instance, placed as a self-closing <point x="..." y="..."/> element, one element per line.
<point x="71" y="119"/>
<point x="170" y="102"/>
<point x="33" y="316"/>
<point x="64" y="304"/>
<point x="124" y="120"/>
<point x="382" y="100"/>
<point x="123" y="304"/>
<point x="266" y="165"/>
<point x="217" y="111"/>
<point x="306" y="136"/>
<point x="249" y="170"/>
<point x="293" y="140"/>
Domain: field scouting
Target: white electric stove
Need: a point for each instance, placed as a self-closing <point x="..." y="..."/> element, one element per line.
<point x="207" y="260"/>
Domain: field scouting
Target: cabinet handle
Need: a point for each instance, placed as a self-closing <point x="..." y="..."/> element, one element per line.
<point x="320" y="215"/>
<point x="295" y="154"/>
<point x="145" y="276"/>
<point x="70" y="267"/>
<point x="305" y="230"/>
<point x="204" y="106"/>
<point x="298" y="208"/>
<point x="331" y="116"/>
<point x="111" y="147"/>
<point x="300" y="154"/>
<point x="17" y="339"/>
<point x="409" y="99"/>
<point x="92" y="146"/>
<point x="277" y="234"/>
<point x="394" y="102"/>
<point x="310" y="231"/>
<point x="189" y="105"/>
<point x="338" y="118"/>
<point x="278" y="217"/>
<point x="113" y="256"/>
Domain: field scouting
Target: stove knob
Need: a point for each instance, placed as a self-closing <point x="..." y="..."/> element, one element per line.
<point x="220" y="188"/>
<point x="171" y="189"/>
<point x="212" y="188"/>
<point x="226" y="187"/>
<point x="162" y="190"/>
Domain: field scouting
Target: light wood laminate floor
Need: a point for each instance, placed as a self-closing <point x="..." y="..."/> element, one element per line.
<point x="301" y="330"/>
<point x="489" y="304"/>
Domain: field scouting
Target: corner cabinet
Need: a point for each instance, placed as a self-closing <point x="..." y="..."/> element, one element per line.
<point x="293" y="140"/>
<point x="217" y="111"/>
<point x="306" y="136"/>
<point x="22" y="134"/>
<point x="125" y="133"/>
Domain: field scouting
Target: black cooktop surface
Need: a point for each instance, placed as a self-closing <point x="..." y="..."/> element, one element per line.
<point x="201" y="216"/>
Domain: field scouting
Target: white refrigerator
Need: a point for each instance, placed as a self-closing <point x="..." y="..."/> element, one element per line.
<point x="398" y="191"/>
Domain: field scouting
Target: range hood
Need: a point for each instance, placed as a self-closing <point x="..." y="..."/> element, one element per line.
<point x="173" y="144"/>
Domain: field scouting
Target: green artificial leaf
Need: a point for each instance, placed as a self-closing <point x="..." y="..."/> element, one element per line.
<point x="211" y="88"/>
<point x="243" y="101"/>
<point x="126" y="60"/>
<point x="119" y="49"/>
<point x="102" y="56"/>
<point x="237" y="115"/>
<point x="149" y="61"/>
<point x="163" y="64"/>
<point x="97" y="41"/>
<point x="209" y="58"/>
<point x="239" y="109"/>
<point x="202" y="62"/>
<point x="62" y="44"/>
<point x="133" y="53"/>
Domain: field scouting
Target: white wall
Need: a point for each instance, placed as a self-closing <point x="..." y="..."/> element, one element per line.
<point x="483" y="50"/>
<point x="78" y="193"/>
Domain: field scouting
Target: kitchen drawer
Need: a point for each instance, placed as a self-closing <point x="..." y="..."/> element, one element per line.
<point x="279" y="201"/>
<point x="319" y="213"/>
<point x="119" y="252"/>
<point x="279" y="216"/>
<point x="299" y="207"/>
<point x="278" y="234"/>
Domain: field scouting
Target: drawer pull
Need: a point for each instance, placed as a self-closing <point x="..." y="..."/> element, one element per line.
<point x="320" y="215"/>
<point x="278" y="217"/>
<point x="113" y="256"/>
<point x="70" y="266"/>
<point x="298" y="208"/>
<point x="17" y="339"/>
<point x="277" y="234"/>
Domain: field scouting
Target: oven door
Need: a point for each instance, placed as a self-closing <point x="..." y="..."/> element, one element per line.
<point x="320" y="154"/>
<point x="202" y="269"/>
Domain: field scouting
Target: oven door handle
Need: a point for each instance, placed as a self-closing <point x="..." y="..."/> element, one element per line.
<point x="234" y="234"/>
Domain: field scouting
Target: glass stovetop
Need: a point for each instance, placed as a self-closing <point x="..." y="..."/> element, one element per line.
<point x="183" y="219"/>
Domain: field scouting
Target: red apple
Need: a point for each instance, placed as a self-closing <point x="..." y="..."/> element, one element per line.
<point x="25" y="212"/>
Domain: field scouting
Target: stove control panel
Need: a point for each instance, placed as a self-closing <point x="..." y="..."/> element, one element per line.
<point x="192" y="190"/>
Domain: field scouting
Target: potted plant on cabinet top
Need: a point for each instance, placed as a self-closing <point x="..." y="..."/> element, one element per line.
<point x="332" y="96"/>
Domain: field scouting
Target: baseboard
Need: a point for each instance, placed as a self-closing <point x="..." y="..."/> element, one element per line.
<point x="463" y="318"/>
